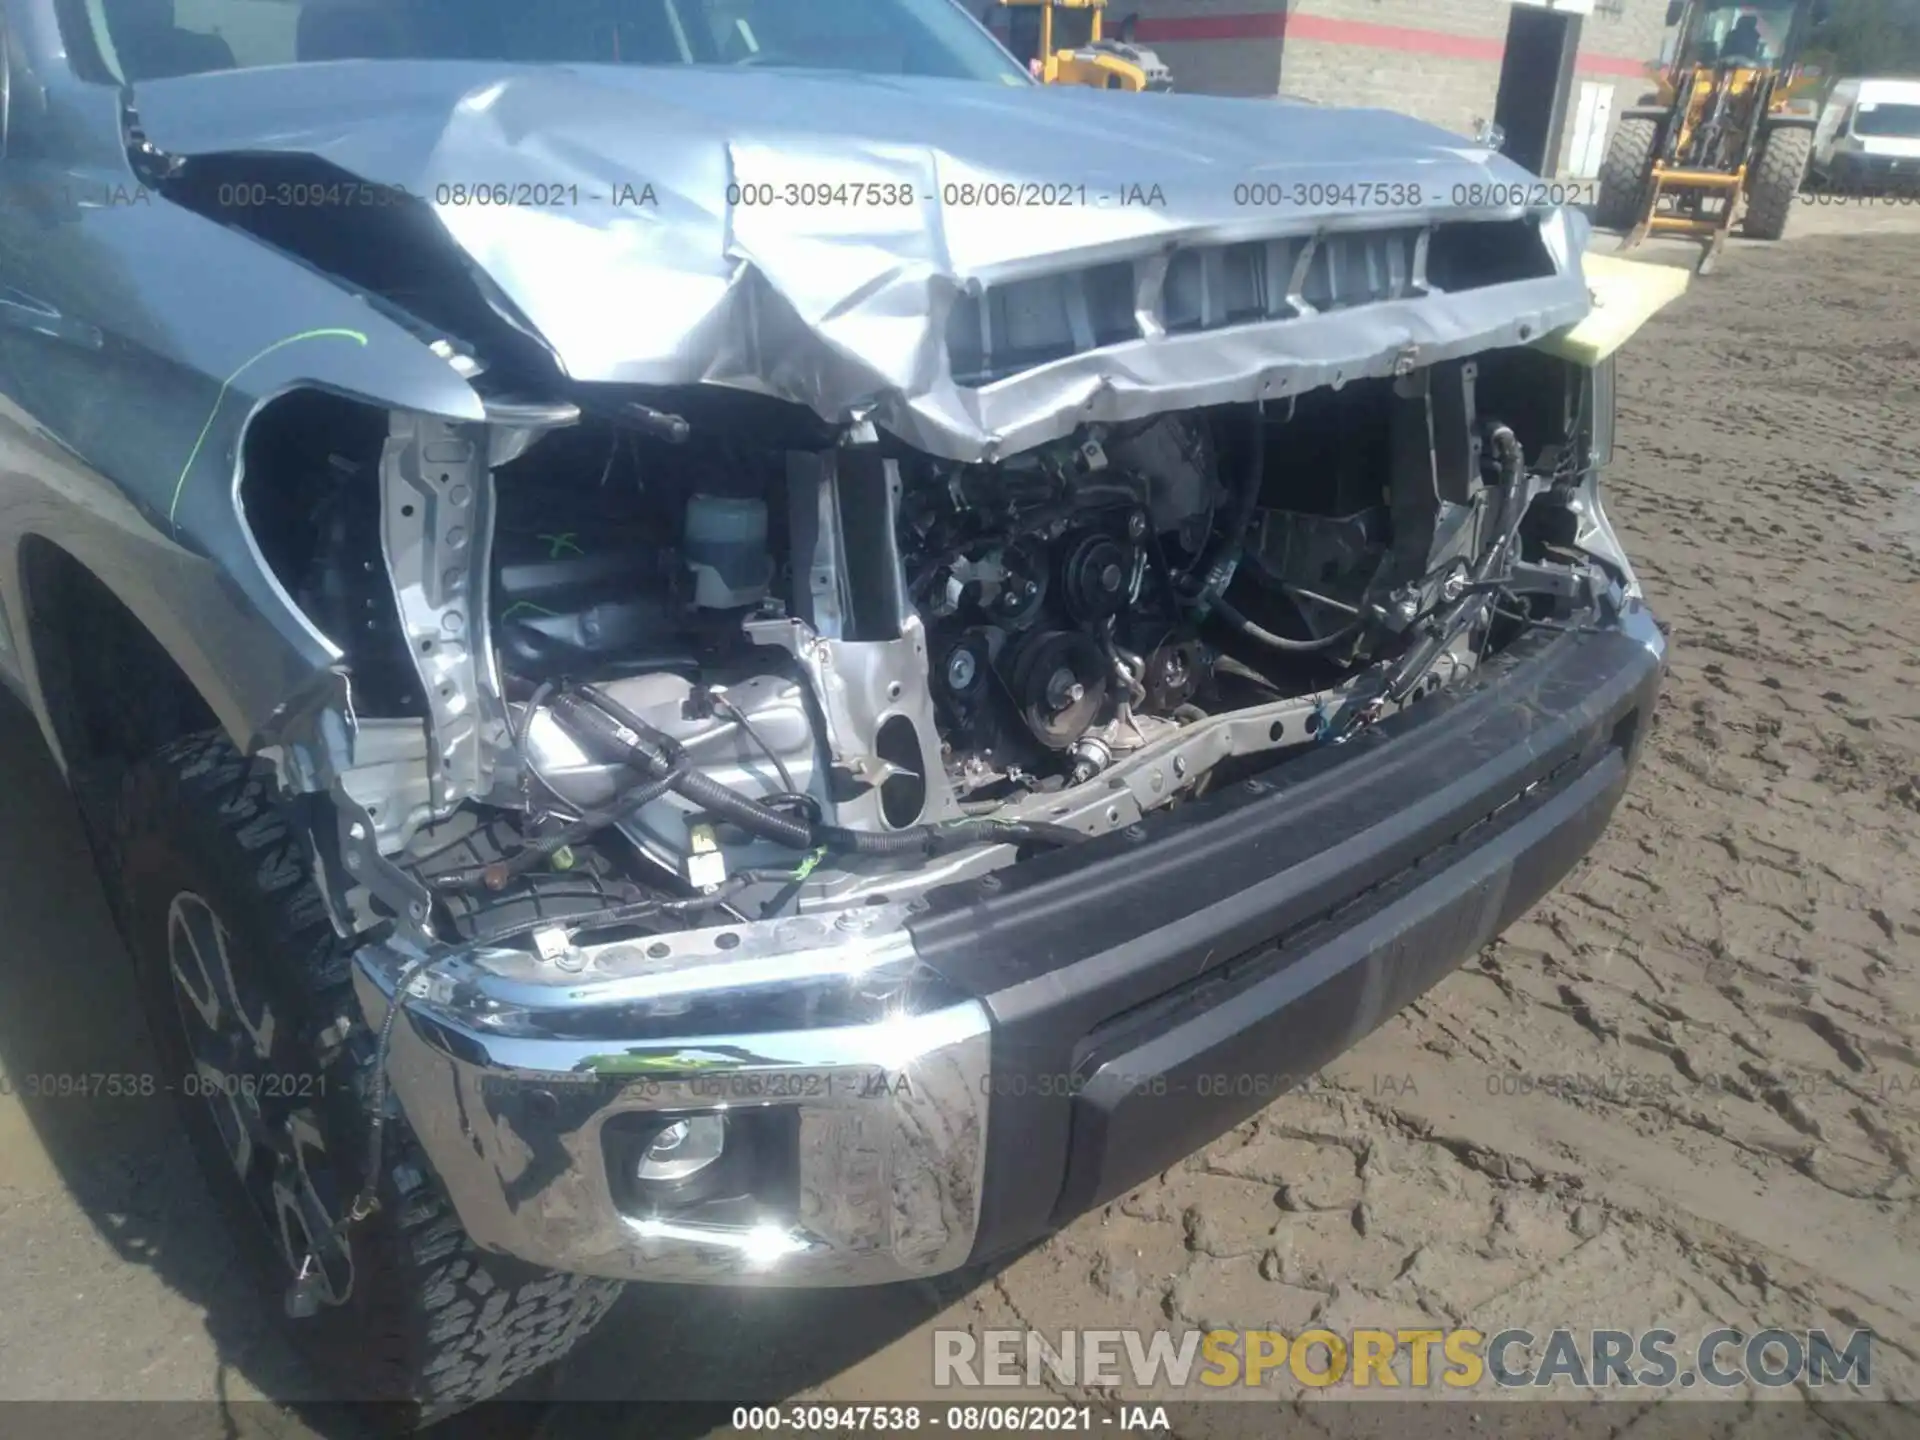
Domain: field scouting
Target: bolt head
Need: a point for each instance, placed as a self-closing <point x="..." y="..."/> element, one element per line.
<point x="961" y="669"/>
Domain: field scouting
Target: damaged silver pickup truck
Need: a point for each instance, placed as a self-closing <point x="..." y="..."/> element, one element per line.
<point x="716" y="641"/>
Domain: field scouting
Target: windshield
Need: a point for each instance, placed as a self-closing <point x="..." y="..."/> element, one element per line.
<point x="153" y="39"/>
<point x="1754" y="34"/>
<point x="1888" y="122"/>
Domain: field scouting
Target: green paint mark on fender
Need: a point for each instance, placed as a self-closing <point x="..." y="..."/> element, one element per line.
<point x="180" y="485"/>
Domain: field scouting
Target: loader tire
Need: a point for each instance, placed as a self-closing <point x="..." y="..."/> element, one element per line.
<point x="1624" y="173"/>
<point x="246" y="989"/>
<point x="1777" y="177"/>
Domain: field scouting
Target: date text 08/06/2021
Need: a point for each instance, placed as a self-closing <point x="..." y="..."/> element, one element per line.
<point x="1000" y="1419"/>
<point x="837" y="194"/>
<point x="612" y="1071"/>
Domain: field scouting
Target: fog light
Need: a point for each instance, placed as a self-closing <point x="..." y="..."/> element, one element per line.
<point x="683" y="1148"/>
<point x="714" y="1167"/>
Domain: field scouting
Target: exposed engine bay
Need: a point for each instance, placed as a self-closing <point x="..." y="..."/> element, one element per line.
<point x="674" y="668"/>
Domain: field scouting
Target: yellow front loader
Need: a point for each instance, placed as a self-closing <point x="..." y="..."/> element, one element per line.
<point x="1062" y="43"/>
<point x="1726" y="137"/>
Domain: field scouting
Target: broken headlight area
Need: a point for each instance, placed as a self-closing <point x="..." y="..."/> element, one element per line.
<point x="697" y="659"/>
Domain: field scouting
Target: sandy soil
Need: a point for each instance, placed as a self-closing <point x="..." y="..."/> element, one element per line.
<point x="1684" y="1091"/>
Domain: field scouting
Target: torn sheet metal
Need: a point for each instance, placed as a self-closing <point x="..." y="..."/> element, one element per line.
<point x="845" y="241"/>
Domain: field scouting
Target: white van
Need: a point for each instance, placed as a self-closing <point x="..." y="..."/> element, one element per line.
<point x="1868" y="137"/>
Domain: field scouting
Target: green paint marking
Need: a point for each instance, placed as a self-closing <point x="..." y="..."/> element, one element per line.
<point x="810" y="864"/>
<point x="647" y="1064"/>
<point x="527" y="605"/>
<point x="558" y="545"/>
<point x="180" y="485"/>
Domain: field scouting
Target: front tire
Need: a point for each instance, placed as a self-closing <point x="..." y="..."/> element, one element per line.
<point x="247" y="992"/>
<point x="1625" y="172"/>
<point x="1777" y="177"/>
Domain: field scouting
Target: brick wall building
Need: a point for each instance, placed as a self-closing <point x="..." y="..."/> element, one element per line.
<point x="1437" y="59"/>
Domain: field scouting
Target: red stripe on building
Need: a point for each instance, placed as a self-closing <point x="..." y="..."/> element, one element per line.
<point x="1267" y="25"/>
<point x="1282" y="25"/>
<point x="1614" y="65"/>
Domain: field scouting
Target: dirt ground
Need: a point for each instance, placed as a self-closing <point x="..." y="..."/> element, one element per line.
<point x="1684" y="1091"/>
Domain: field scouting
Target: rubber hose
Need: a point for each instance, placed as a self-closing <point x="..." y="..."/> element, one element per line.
<point x="794" y="799"/>
<point x="1246" y="500"/>
<point x="1280" y="642"/>
<point x="495" y="874"/>
<point x="613" y="724"/>
<point x="613" y="733"/>
<point x="591" y="821"/>
<point x="595" y="719"/>
<point x="746" y="812"/>
<point x="1513" y="463"/>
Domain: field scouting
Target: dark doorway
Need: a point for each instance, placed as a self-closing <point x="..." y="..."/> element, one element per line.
<point x="1536" y="75"/>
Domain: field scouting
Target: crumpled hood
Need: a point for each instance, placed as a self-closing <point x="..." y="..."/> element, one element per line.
<point x="976" y="268"/>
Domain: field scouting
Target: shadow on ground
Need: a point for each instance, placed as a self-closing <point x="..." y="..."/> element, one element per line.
<point x="719" y="1349"/>
<point x="71" y="1034"/>
<point x="68" y="1007"/>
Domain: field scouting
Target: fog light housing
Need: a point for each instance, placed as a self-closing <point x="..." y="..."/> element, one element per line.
<point x="729" y="1167"/>
<point x="682" y="1149"/>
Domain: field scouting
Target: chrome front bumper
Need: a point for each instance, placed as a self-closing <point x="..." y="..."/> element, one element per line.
<point x="510" y="1069"/>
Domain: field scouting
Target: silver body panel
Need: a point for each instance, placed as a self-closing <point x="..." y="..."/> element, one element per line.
<point x="858" y="310"/>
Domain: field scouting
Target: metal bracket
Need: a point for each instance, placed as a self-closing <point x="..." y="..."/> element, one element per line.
<point x="813" y="501"/>
<point x="436" y="529"/>
<point x="390" y="776"/>
<point x="347" y="854"/>
<point x="861" y="685"/>
<point x="1527" y="578"/>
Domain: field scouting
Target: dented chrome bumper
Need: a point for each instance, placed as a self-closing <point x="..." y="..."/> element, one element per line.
<point x="856" y="1086"/>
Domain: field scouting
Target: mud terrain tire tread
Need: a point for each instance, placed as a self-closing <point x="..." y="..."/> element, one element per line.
<point x="1777" y="178"/>
<point x="1624" y="172"/>
<point x="434" y="1324"/>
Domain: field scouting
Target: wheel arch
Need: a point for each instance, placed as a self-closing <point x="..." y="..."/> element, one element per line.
<point x="219" y="636"/>
<point x="107" y="690"/>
